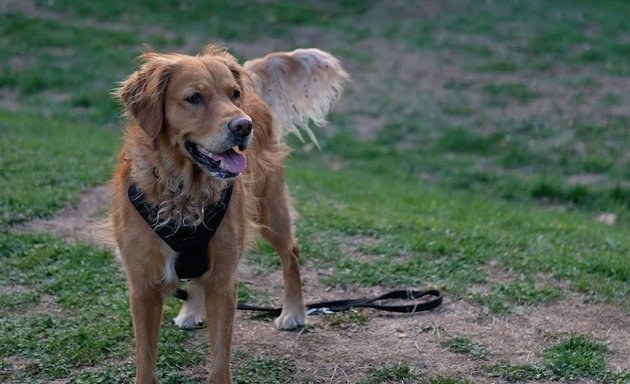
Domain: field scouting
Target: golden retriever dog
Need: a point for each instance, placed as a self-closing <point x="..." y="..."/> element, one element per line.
<point x="200" y="171"/>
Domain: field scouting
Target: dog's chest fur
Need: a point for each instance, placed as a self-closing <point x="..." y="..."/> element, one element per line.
<point x="190" y="242"/>
<point x="180" y="193"/>
<point x="177" y="207"/>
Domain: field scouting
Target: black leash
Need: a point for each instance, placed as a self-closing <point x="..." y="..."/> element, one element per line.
<point x="345" y="305"/>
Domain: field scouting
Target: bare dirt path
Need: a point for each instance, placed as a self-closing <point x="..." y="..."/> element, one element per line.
<point x="78" y="223"/>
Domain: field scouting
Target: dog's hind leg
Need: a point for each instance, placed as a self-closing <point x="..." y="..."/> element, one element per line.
<point x="278" y="230"/>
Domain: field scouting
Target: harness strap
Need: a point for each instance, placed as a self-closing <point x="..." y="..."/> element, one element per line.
<point x="345" y="305"/>
<point x="190" y="242"/>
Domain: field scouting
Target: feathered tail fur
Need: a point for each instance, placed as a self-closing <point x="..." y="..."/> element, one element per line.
<point x="299" y="86"/>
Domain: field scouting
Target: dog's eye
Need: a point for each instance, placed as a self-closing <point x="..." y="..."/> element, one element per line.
<point x="236" y="95"/>
<point x="195" y="98"/>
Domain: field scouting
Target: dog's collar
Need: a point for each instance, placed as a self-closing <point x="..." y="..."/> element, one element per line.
<point x="190" y="242"/>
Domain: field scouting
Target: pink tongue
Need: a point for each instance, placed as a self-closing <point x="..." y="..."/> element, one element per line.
<point x="231" y="161"/>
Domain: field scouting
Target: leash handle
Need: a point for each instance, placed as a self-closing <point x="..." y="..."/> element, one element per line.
<point x="345" y="305"/>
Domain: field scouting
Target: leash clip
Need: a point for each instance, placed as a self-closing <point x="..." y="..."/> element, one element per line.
<point x="319" y="311"/>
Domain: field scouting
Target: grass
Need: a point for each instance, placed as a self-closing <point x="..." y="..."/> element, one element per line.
<point x="576" y="357"/>
<point x="394" y="374"/>
<point x="451" y="247"/>
<point x="514" y="373"/>
<point x="349" y="320"/>
<point x="401" y="373"/>
<point x="51" y="336"/>
<point x="465" y="345"/>
<point x="257" y="370"/>
<point x="34" y="163"/>
<point x="509" y="298"/>
<point x="471" y="171"/>
<point x="572" y="358"/>
<point x="501" y="94"/>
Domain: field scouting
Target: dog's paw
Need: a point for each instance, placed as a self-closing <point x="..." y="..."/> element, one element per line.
<point x="289" y="320"/>
<point x="188" y="321"/>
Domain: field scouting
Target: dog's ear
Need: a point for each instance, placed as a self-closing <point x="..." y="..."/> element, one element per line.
<point x="142" y="94"/>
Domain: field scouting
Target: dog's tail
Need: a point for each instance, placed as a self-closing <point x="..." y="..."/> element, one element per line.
<point x="299" y="86"/>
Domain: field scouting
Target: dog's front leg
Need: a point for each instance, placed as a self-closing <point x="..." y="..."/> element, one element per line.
<point x="146" y="310"/>
<point x="220" y="299"/>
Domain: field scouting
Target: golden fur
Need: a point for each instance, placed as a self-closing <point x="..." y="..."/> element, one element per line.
<point x="173" y="100"/>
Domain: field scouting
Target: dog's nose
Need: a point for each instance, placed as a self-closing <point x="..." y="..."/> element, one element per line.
<point x="241" y="126"/>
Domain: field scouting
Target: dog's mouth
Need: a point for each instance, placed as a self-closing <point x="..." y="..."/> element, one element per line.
<point x="224" y="165"/>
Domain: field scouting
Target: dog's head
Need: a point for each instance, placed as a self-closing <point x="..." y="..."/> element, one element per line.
<point x="196" y="104"/>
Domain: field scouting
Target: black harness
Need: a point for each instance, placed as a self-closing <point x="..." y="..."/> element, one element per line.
<point x="190" y="242"/>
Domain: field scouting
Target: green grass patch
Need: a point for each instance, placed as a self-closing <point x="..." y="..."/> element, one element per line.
<point x="46" y="163"/>
<point x="510" y="298"/>
<point x="60" y="69"/>
<point x="399" y="373"/>
<point x="498" y="66"/>
<point x="15" y="300"/>
<point x="250" y="369"/>
<point x="216" y="18"/>
<point x="403" y="374"/>
<point x="463" y="140"/>
<point x="501" y="94"/>
<point x="434" y="237"/>
<point x="349" y="320"/>
<point x="570" y="359"/>
<point x="465" y="345"/>
<point x="515" y="373"/>
<point x="576" y="357"/>
<point x="264" y="256"/>
<point x="76" y="316"/>
<point x="442" y="379"/>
